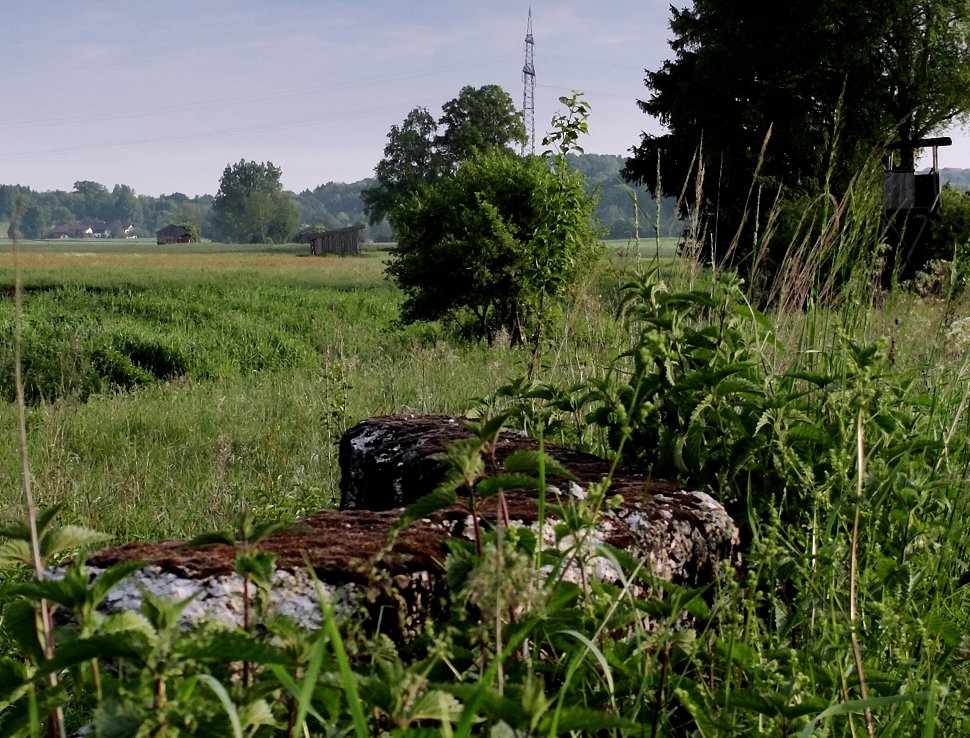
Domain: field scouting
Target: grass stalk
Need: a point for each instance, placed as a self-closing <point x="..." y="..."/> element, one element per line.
<point x="854" y="572"/>
<point x="347" y="678"/>
<point x="55" y="721"/>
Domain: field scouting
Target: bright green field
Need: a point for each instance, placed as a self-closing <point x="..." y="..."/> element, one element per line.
<point x="168" y="387"/>
<point x="231" y="373"/>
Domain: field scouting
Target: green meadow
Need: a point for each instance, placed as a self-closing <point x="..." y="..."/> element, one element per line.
<point x="167" y="389"/>
<point x="167" y="386"/>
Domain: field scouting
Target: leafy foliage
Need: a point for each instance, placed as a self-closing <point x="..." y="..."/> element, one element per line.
<point x="81" y="342"/>
<point x="251" y="207"/>
<point x="842" y="456"/>
<point x="950" y="235"/>
<point x="770" y="102"/>
<point x="493" y="245"/>
<point x="421" y="150"/>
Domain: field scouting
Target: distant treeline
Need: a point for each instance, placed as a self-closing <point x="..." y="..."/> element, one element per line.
<point x="958" y="178"/>
<point x="623" y="210"/>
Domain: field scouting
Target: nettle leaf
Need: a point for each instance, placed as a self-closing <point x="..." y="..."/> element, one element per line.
<point x="215" y="536"/>
<point x="261" y="531"/>
<point x="756" y="701"/>
<point x="490" y="427"/>
<point x="112" y="576"/>
<point x="464" y="460"/>
<point x="531" y="461"/>
<point x="13" y="552"/>
<point x="815" y="378"/>
<point x="131" y="645"/>
<point x="129" y="620"/>
<point x="692" y="699"/>
<point x="736" y="652"/>
<point x="587" y="721"/>
<point x="68" y="592"/>
<point x="14" y="681"/>
<point x="21" y="718"/>
<point x="436" y="704"/>
<point x="809" y="433"/>
<point x="19" y="530"/>
<point x="256" y="713"/>
<point x="504" y="482"/>
<point x="944" y="627"/>
<point x="20" y="624"/>
<point x="71" y="537"/>
<point x="116" y="719"/>
<point x="163" y="613"/>
<point x="808" y="705"/>
<point x="258" y="564"/>
<point x="736" y="385"/>
<point x="490" y="703"/>
<point x="442" y="497"/>
<point x="679" y="442"/>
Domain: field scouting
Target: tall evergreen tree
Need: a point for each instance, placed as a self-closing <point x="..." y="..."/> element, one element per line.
<point x="799" y="95"/>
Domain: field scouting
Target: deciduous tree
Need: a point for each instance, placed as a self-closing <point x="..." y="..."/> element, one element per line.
<point x="422" y="150"/>
<point x="410" y="159"/>
<point x="33" y="223"/>
<point x="94" y="200"/>
<point x="251" y="206"/>
<point x="492" y="245"/>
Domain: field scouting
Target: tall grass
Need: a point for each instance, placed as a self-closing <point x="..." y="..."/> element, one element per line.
<point x="163" y="395"/>
<point x="835" y="428"/>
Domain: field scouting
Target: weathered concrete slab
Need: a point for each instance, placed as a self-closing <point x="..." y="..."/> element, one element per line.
<point x="367" y="569"/>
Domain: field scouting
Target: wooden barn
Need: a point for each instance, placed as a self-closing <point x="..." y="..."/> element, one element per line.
<point x="336" y="241"/>
<point x="173" y="234"/>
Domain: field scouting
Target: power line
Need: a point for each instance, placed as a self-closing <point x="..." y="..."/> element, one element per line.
<point x="251" y="99"/>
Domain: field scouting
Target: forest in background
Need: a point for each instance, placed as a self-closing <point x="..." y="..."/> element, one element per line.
<point x="330" y="205"/>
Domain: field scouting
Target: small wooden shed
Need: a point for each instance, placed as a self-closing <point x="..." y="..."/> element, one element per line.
<point x="173" y="234"/>
<point x="336" y="241"/>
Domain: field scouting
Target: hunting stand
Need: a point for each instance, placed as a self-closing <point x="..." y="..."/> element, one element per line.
<point x="910" y="199"/>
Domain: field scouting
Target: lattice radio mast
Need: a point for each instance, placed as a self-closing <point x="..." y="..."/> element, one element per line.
<point x="529" y="90"/>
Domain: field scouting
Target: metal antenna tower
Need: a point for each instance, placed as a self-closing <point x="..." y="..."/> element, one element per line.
<point x="529" y="90"/>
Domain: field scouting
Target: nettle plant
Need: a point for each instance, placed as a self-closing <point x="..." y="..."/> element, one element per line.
<point x="844" y="474"/>
<point x="523" y="651"/>
<point x="848" y="616"/>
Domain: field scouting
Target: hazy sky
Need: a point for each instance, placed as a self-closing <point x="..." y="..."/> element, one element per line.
<point x="162" y="95"/>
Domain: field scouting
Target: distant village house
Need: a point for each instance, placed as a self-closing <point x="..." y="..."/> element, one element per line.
<point x="79" y="229"/>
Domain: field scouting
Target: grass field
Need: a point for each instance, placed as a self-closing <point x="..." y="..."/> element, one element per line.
<point x="169" y="387"/>
<point x="233" y="372"/>
<point x="198" y="378"/>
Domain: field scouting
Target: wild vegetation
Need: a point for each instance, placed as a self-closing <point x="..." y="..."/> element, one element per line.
<point x="837" y="438"/>
<point x="329" y="205"/>
<point x="165" y="398"/>
<point x="518" y="232"/>
<point x="773" y="107"/>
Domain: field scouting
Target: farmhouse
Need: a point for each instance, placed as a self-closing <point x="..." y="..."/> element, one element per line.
<point x="173" y="233"/>
<point x="71" y="230"/>
<point x="336" y="241"/>
<point x="88" y="229"/>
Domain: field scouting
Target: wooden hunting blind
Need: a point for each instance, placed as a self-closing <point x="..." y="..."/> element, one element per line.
<point x="903" y="189"/>
<point x="910" y="200"/>
<point x="336" y="241"/>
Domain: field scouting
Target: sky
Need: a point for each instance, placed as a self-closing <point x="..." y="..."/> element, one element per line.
<point x="163" y="95"/>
